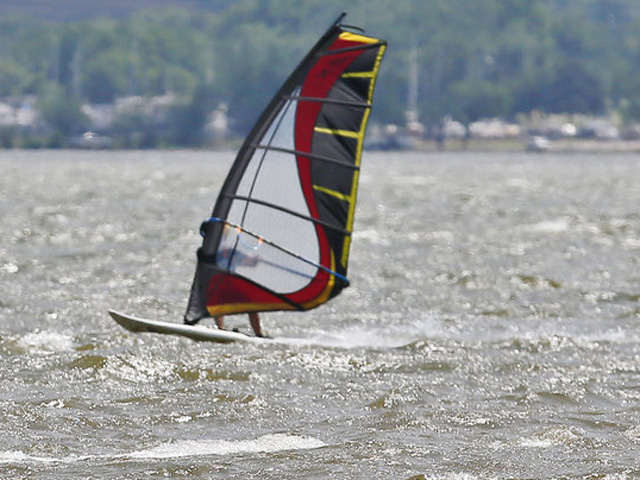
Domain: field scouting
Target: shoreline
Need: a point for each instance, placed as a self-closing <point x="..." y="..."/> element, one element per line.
<point x="572" y="145"/>
<point x="520" y="145"/>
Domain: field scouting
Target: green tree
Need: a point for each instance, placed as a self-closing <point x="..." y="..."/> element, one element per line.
<point x="477" y="100"/>
<point x="62" y="111"/>
<point x="257" y="61"/>
<point x="14" y="78"/>
<point x="134" y="129"/>
<point x="474" y="59"/>
<point x="189" y="120"/>
<point x="167" y="51"/>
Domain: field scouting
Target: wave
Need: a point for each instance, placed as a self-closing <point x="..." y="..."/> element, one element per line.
<point x="44" y="342"/>
<point x="265" y="444"/>
<point x="13" y="457"/>
<point x="354" y="339"/>
<point x="183" y="448"/>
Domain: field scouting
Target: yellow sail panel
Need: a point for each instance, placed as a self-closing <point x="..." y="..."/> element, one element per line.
<point x="355" y="37"/>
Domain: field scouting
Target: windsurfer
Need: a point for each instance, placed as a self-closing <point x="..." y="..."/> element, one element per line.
<point x="254" y="320"/>
<point x="279" y="234"/>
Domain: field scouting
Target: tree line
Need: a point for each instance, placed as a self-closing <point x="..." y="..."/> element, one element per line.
<point x="458" y="59"/>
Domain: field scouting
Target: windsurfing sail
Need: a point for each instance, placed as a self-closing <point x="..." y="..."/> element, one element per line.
<point x="280" y="231"/>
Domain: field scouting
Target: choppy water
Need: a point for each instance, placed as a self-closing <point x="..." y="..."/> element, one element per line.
<point x="491" y="330"/>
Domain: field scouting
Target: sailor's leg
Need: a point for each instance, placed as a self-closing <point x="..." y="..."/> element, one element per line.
<point x="254" y="319"/>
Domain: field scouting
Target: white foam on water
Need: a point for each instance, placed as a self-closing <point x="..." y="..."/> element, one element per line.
<point x="353" y="339"/>
<point x="550" y="438"/>
<point x="184" y="448"/>
<point x="461" y="476"/>
<point x="557" y="225"/>
<point x="45" y="342"/>
<point x="20" y="458"/>
<point x="372" y="336"/>
<point x="13" y="457"/>
<point x="453" y="476"/>
<point x="265" y="444"/>
<point x="361" y="338"/>
<point x="535" y="442"/>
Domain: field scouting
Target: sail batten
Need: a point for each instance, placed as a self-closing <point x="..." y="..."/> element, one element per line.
<point x="280" y="233"/>
<point x="312" y="156"/>
<point x="333" y="193"/>
<point x="274" y="206"/>
<point x="345" y="103"/>
<point x="338" y="132"/>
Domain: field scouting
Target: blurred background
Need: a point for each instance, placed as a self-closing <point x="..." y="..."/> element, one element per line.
<point x="196" y="73"/>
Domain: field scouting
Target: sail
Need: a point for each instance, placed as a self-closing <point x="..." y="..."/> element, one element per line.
<point x="280" y="231"/>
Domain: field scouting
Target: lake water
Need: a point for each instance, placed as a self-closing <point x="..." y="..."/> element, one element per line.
<point x="491" y="330"/>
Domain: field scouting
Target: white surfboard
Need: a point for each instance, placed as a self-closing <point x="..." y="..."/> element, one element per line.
<point x="195" y="332"/>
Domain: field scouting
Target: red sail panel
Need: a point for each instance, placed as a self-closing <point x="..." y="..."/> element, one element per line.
<point x="279" y="235"/>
